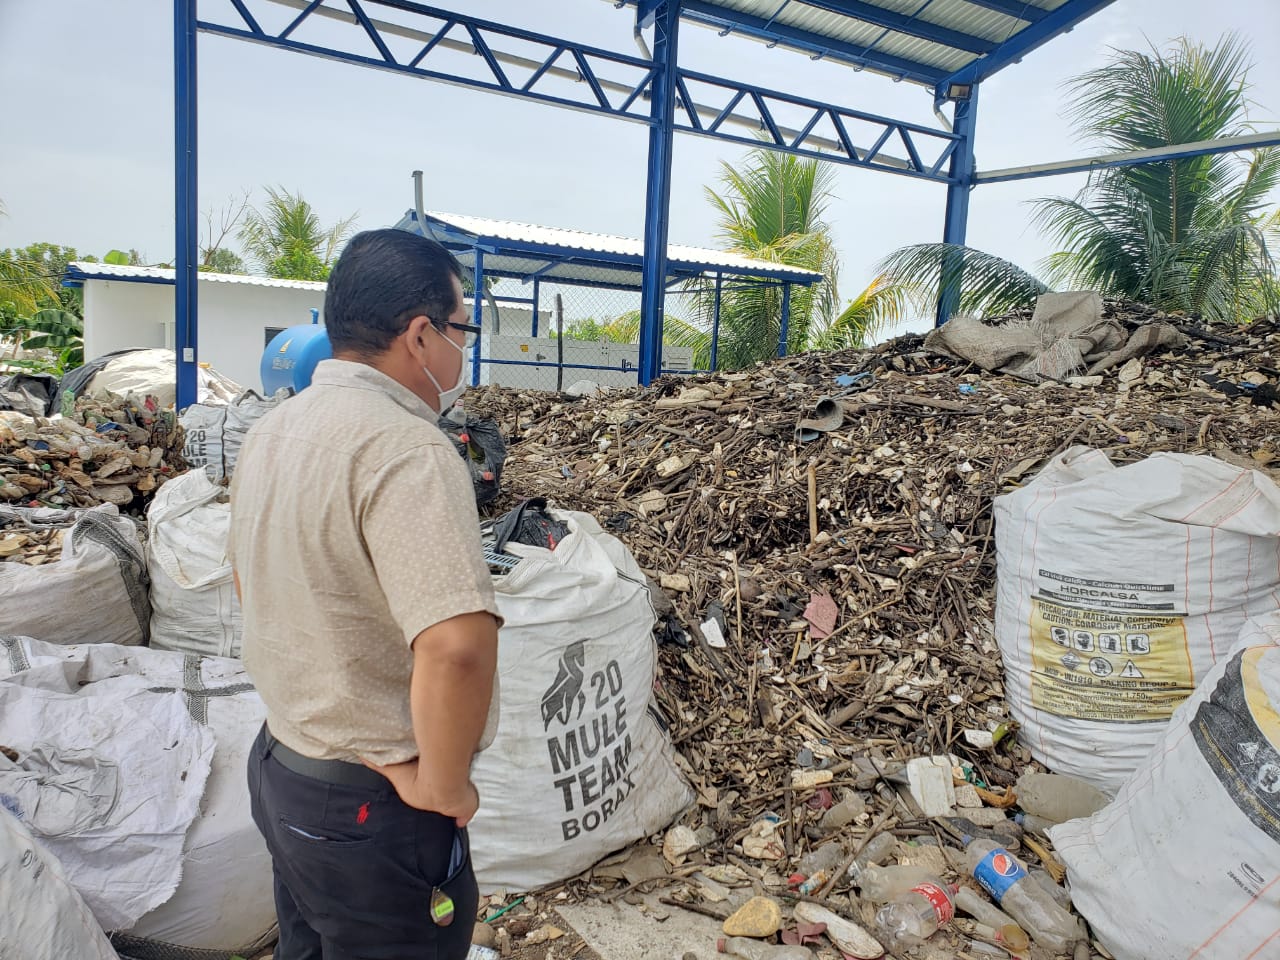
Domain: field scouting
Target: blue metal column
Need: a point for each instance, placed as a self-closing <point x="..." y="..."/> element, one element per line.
<point x="715" y="323"/>
<point x="186" y="209"/>
<point x="956" y="227"/>
<point x="666" y="21"/>
<point x="534" y="331"/>
<point x="786" y="320"/>
<point x="477" y="315"/>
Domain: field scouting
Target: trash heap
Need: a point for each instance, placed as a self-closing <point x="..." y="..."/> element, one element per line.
<point x="827" y="579"/>
<point x="110" y="451"/>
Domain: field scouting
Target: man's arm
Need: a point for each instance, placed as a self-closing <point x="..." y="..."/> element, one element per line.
<point x="453" y="666"/>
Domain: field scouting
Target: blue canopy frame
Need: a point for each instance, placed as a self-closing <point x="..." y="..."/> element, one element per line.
<point x="654" y="90"/>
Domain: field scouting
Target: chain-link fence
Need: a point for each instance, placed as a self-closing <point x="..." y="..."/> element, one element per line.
<point x="555" y="336"/>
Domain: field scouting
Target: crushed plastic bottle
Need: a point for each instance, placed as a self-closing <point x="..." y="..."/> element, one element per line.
<point x="1058" y="798"/>
<point x="916" y="915"/>
<point x="978" y="907"/>
<point x="843" y="813"/>
<point x="749" y="949"/>
<point x="1006" y="879"/>
<point x="876" y="851"/>
<point x="1057" y="891"/>
<point x="882" y="884"/>
<point x="827" y="857"/>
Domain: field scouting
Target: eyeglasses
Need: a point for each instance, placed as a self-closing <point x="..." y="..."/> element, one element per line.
<point x="471" y="330"/>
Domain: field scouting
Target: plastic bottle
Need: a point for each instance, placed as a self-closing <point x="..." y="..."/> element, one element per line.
<point x="826" y="858"/>
<point x="917" y="914"/>
<point x="878" y="848"/>
<point x="843" y="813"/>
<point x="978" y="907"/>
<point x="1058" y="798"/>
<point x="1006" y="879"/>
<point x="749" y="949"/>
<point x="1059" y="893"/>
<point x="882" y="884"/>
<point x="1033" y="824"/>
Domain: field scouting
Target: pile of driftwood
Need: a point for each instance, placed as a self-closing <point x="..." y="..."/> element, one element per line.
<point x="821" y="529"/>
<point x="110" y="451"/>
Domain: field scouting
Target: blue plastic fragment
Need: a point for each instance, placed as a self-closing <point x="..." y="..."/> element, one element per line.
<point x="968" y="389"/>
<point x="109" y="425"/>
<point x="849" y="379"/>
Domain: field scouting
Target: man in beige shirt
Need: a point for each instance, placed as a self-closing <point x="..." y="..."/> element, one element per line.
<point x="370" y="626"/>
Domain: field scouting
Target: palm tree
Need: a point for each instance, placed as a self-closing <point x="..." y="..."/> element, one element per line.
<point x="286" y="238"/>
<point x="1188" y="234"/>
<point x="24" y="283"/>
<point x="772" y="208"/>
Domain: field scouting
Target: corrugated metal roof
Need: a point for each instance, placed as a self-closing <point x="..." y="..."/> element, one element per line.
<point x="921" y="41"/>
<point x="82" y="270"/>
<point x="677" y="254"/>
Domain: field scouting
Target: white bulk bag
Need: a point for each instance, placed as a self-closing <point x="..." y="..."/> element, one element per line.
<point x="202" y="426"/>
<point x="224" y="901"/>
<point x="215" y="432"/>
<point x="194" y="608"/>
<point x="1117" y="590"/>
<point x="1185" y="862"/>
<point x="96" y="592"/>
<point x="579" y="767"/>
<point x="109" y="772"/>
<point x="44" y="917"/>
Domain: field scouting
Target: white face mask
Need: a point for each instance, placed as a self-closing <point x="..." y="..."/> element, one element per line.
<point x="449" y="397"/>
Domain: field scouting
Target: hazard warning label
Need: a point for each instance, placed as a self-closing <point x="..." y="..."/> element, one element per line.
<point x="1115" y="652"/>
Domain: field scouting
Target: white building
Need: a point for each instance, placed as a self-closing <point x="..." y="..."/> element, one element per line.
<point x="132" y="307"/>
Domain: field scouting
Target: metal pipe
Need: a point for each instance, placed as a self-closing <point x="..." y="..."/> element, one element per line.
<point x="1131" y="158"/>
<point x="477" y="316"/>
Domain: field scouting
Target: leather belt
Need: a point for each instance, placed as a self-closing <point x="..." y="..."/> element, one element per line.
<point x="337" y="772"/>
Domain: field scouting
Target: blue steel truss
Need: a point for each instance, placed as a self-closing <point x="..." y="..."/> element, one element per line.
<point x="606" y="82"/>
<point x="655" y="91"/>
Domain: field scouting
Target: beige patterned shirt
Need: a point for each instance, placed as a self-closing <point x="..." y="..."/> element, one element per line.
<point x="353" y="529"/>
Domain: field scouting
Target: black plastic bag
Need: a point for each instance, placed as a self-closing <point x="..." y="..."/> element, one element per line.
<point x="480" y="444"/>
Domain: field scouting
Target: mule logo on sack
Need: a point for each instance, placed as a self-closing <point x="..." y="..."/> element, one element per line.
<point x="566" y="689"/>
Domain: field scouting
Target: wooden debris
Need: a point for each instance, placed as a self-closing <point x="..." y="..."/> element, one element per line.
<point x="707" y="482"/>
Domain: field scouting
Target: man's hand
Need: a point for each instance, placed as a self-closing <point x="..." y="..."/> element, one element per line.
<point x="405" y="778"/>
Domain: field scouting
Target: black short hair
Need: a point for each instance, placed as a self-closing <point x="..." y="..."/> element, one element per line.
<point x="384" y="279"/>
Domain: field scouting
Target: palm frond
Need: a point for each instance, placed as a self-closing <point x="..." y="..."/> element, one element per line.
<point x="989" y="285"/>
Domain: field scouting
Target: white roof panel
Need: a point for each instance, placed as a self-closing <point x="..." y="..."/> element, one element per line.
<point x="677" y="254"/>
<point x="110" y="271"/>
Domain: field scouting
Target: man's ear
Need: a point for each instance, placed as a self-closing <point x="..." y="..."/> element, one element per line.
<point x="417" y="333"/>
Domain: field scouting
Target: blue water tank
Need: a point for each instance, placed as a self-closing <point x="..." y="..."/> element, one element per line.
<point x="292" y="356"/>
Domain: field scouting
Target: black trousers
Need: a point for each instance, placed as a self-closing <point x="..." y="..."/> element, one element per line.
<point x="356" y="868"/>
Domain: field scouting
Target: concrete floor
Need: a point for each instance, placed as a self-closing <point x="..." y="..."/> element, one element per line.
<point x="620" y="931"/>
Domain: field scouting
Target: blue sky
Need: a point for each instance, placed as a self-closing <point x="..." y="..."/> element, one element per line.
<point x="86" y="155"/>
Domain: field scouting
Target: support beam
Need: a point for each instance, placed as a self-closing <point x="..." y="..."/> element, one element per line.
<point x="784" y="330"/>
<point x="715" y="322"/>
<point x="1013" y="8"/>
<point x="186" y="209"/>
<point x="956" y="226"/>
<point x="724" y="18"/>
<point x="1023" y="42"/>
<point x="1131" y="158"/>
<point x="906" y="23"/>
<point x="533" y="332"/>
<point x="477" y="316"/>
<point x="666" y="27"/>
